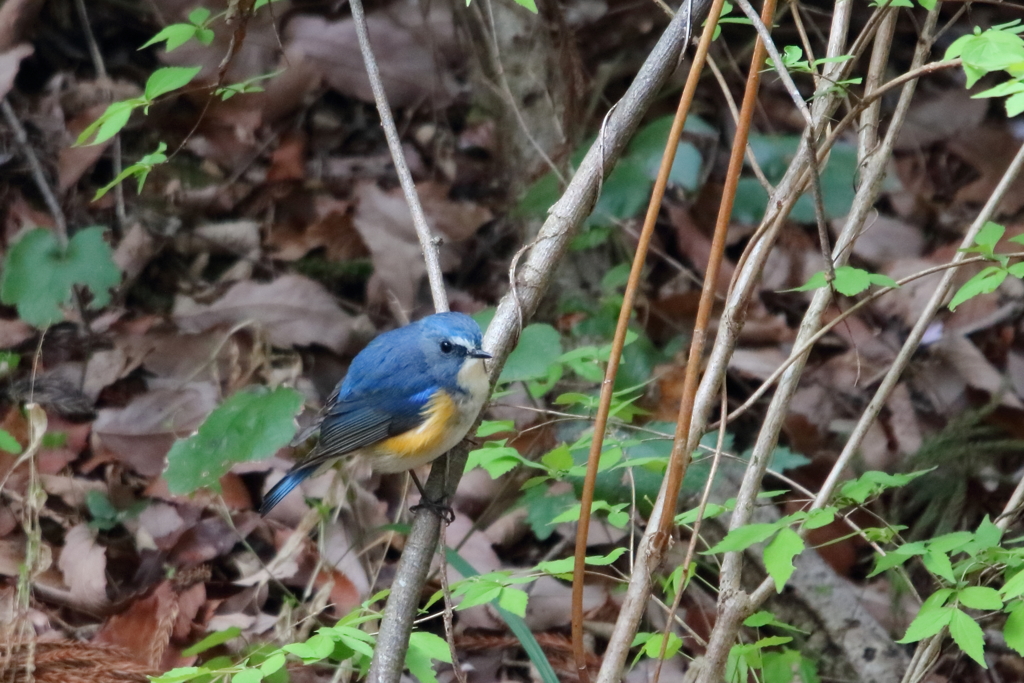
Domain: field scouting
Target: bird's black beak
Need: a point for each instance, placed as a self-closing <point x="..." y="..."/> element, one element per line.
<point x="480" y="353"/>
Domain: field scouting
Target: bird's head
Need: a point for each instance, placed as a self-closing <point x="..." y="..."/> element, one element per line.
<point x="450" y="342"/>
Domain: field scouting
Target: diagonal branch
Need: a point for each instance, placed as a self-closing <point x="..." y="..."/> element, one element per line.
<point x="534" y="276"/>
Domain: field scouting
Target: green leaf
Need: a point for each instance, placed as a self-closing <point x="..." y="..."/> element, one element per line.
<point x="816" y="281"/>
<point x="514" y="600"/>
<point x="176" y="35"/>
<point x="38" y="275"/>
<point x="652" y="648"/>
<point x="927" y="623"/>
<point x="872" y="483"/>
<point x="199" y="15"/>
<point x="163" y="81"/>
<point x="539" y="346"/>
<point x="1013" y="630"/>
<point x="423" y="647"/>
<point x="985" y="282"/>
<point x="980" y="597"/>
<point x="989" y="236"/>
<point x="850" y="281"/>
<point x="743" y="537"/>
<point x="1014" y="587"/>
<point x="250" y="425"/>
<point x="491" y="427"/>
<point x="528" y="4"/>
<point x="819" y="518"/>
<point x="182" y="673"/>
<point x="9" y="443"/>
<point x="212" y="640"/>
<point x="938" y="563"/>
<point x="140" y="170"/>
<point x="247" y="676"/>
<point x="559" y="459"/>
<point x="110" y="122"/>
<point x="273" y="663"/>
<point x="969" y="636"/>
<point x="779" y="554"/>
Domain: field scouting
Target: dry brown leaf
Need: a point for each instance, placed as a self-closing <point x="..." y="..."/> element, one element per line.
<point x="288" y="160"/>
<point x="974" y="369"/>
<point x="885" y="239"/>
<point x="83" y="563"/>
<point x="989" y="149"/>
<point x="145" y="628"/>
<point x="10" y="63"/>
<point x="292" y="310"/>
<point x="417" y="51"/>
<point x="141" y="433"/>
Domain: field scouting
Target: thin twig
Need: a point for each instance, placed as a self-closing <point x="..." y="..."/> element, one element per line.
<point x="429" y="244"/>
<point x="38" y="174"/>
<point x="101" y="75"/>
<point x="567" y="214"/>
<point x="622" y="326"/>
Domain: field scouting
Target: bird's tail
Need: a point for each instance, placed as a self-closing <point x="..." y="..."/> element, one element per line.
<point x="282" y="488"/>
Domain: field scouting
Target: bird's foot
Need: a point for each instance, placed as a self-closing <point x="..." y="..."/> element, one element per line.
<point x="438" y="507"/>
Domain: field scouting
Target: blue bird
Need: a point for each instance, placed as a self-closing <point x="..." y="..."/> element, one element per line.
<point x="408" y="397"/>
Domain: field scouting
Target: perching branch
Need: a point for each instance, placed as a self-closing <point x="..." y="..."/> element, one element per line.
<point x="429" y="243"/>
<point x="533" y="278"/>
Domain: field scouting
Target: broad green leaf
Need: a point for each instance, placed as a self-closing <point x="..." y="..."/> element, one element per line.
<point x="110" y="122"/>
<point x="927" y="623"/>
<point x="743" y="537"/>
<point x="820" y="517"/>
<point x="980" y="597"/>
<point x="779" y="554"/>
<point x="182" y="673"/>
<point x="168" y="78"/>
<point x="528" y="4"/>
<point x="969" y="636"/>
<point x="539" y="347"/>
<point x="38" y="275"/>
<point x="816" y="281"/>
<point x="850" y="281"/>
<point x="872" y="483"/>
<point x="199" y="15"/>
<point x="1013" y="630"/>
<point x="652" y="648"/>
<point x="273" y="663"/>
<point x="558" y="459"/>
<point x="250" y="425"/>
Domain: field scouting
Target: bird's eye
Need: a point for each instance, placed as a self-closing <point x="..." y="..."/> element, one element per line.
<point x="446" y="346"/>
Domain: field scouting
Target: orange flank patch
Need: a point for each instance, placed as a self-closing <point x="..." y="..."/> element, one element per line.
<point x="431" y="438"/>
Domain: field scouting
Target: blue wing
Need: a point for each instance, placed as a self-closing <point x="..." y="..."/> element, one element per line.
<point x="353" y="420"/>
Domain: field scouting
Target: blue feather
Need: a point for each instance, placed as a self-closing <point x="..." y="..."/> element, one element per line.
<point x="283" y="487"/>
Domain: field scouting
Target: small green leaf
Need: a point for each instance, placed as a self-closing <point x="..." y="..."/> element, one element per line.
<point x="743" y="537"/>
<point x="163" y="81"/>
<point x="652" y="648"/>
<point x="1014" y="587"/>
<point x="927" y="623"/>
<point x="985" y="282"/>
<point x="273" y="663"/>
<point x="819" y="518"/>
<point x="528" y="4"/>
<point x="492" y="427"/>
<point x="969" y="636"/>
<point x="980" y="597"/>
<point x="938" y="563"/>
<point x="779" y="554"/>
<point x="9" y="443"/>
<point x="176" y="35"/>
<point x="212" y="640"/>
<point x="1013" y="630"/>
<point x="423" y="647"/>
<point x="250" y="425"/>
<point x="199" y="15"/>
<point x="816" y="281"/>
<point x="989" y="236"/>
<point x="514" y="600"/>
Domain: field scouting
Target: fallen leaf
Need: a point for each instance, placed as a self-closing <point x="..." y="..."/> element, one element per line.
<point x="292" y="310"/>
<point x="141" y="433"/>
<point x="84" y="564"/>
<point x="10" y="63"/>
<point x="417" y="50"/>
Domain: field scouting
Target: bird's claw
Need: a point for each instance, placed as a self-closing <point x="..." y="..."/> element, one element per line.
<point x="438" y="507"/>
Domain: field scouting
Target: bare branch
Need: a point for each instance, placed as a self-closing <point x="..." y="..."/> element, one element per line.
<point x="428" y="242"/>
